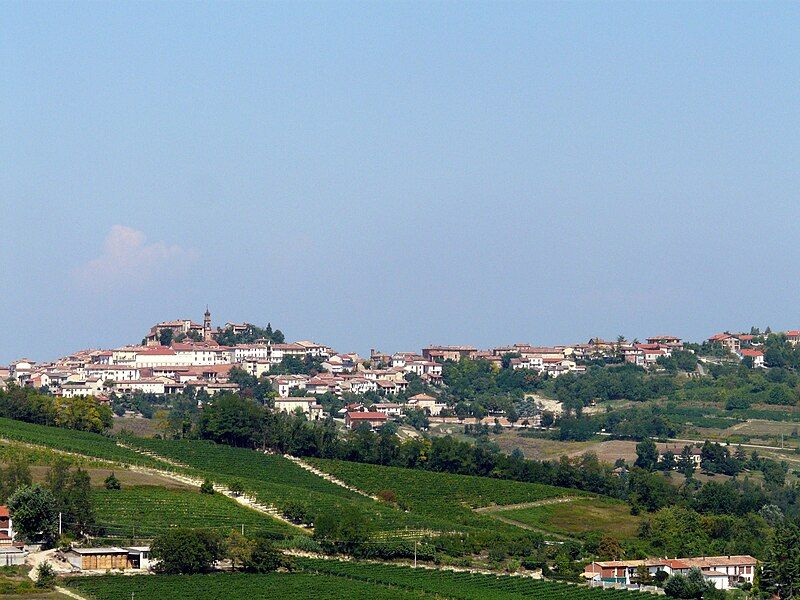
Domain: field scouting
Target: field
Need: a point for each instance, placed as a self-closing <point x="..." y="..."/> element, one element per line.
<point x="580" y="516"/>
<point x="146" y="511"/>
<point x="547" y="449"/>
<point x="330" y="579"/>
<point x="68" y="440"/>
<point x="441" y="495"/>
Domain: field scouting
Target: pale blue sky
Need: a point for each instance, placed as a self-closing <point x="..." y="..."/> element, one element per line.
<point x="393" y="174"/>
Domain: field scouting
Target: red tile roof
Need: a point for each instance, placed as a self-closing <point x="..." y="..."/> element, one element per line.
<point x="367" y="416"/>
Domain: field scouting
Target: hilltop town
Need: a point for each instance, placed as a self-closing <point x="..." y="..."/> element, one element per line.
<point x="185" y="357"/>
<point x="577" y="464"/>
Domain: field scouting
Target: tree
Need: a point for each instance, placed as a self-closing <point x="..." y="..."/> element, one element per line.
<point x="693" y="585"/>
<point x="237" y="487"/>
<point x="35" y="514"/>
<point x="165" y="336"/>
<point x="685" y="463"/>
<point x="264" y="557"/>
<point x="609" y="548"/>
<point x="646" y="454"/>
<point x="207" y="487"/>
<point x="15" y="475"/>
<point x="79" y="512"/>
<point x="342" y="531"/>
<point x="186" y="551"/>
<point x="781" y="570"/>
<point x="239" y="549"/>
<point x="112" y="483"/>
<point x="45" y="576"/>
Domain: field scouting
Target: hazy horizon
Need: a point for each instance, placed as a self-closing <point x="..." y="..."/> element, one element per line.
<point x="390" y="176"/>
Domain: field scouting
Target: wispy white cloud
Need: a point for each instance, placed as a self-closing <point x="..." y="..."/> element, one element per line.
<point x="128" y="261"/>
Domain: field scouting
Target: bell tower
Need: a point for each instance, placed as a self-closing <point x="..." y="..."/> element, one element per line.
<point x="207" y="325"/>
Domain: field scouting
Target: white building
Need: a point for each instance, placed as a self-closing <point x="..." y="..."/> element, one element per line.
<point x="308" y="406"/>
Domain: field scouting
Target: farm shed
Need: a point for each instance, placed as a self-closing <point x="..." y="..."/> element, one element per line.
<point x="99" y="559"/>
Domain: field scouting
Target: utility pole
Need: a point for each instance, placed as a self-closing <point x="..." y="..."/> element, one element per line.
<point x="415" y="554"/>
<point x="242" y="528"/>
<point x="59" y="524"/>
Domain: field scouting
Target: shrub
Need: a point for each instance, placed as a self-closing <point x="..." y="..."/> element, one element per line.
<point x="297" y="512"/>
<point x="237" y="487"/>
<point x="46" y="576"/>
<point x="387" y="496"/>
<point x="207" y="487"/>
<point x="112" y="483"/>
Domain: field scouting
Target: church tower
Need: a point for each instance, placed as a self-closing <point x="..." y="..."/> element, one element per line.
<point x="207" y="325"/>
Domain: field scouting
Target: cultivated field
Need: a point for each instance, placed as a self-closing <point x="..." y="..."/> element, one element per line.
<point x="147" y="511"/>
<point x="69" y="440"/>
<point x="331" y="579"/>
<point x="441" y="496"/>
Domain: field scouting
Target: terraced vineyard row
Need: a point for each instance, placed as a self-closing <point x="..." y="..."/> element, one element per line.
<point x="69" y="440"/>
<point x="443" y="495"/>
<point x="461" y="585"/>
<point x="275" y="480"/>
<point x="331" y="579"/>
<point x="237" y="586"/>
<point x="146" y="511"/>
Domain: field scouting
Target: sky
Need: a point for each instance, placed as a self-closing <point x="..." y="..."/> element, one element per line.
<point x="391" y="175"/>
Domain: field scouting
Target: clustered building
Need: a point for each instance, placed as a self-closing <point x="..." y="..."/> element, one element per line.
<point x="197" y="361"/>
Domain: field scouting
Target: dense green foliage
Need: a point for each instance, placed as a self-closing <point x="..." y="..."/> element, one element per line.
<point x="251" y="334"/>
<point x="82" y="413"/>
<point x="187" y="551"/>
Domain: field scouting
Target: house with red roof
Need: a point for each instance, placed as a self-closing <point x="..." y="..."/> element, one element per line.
<point x="725" y="572"/>
<point x="6" y="527"/>
<point x="373" y="419"/>
<point x="756" y="355"/>
<point x="793" y="337"/>
<point x="729" y="341"/>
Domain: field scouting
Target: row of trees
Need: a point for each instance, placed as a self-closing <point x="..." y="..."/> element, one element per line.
<point x="36" y="507"/>
<point x="31" y="406"/>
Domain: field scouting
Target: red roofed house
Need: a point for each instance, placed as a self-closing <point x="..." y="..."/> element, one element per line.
<point x="756" y="355"/>
<point x="724" y="572"/>
<point x="793" y="337"/>
<point x="6" y="527"/>
<point x="374" y="419"/>
<point x="731" y="342"/>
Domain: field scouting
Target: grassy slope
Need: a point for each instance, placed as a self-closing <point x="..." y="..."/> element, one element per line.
<point x="580" y="516"/>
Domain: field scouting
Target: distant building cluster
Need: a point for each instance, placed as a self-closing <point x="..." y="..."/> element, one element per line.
<point x="195" y="360"/>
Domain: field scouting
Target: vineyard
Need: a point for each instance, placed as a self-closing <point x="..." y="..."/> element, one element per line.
<point x="440" y="495"/>
<point x="275" y="480"/>
<point x="331" y="579"/>
<point x="146" y="511"/>
<point x="460" y="585"/>
<point x="238" y="586"/>
<point x="69" y="440"/>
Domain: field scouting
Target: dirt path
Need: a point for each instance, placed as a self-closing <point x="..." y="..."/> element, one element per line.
<point x="495" y="508"/>
<point x="71" y="594"/>
<point x="327" y="476"/>
<point x="495" y="511"/>
<point x="243" y="499"/>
